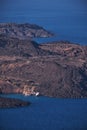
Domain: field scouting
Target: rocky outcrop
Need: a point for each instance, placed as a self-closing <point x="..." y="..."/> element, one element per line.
<point x="57" y="69"/>
<point x="23" y="31"/>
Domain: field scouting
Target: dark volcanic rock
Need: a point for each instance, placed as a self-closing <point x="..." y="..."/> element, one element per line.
<point x="12" y="103"/>
<point x="23" y="31"/>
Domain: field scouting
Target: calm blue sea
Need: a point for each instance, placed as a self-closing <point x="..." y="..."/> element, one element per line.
<point x="45" y="114"/>
<point x="66" y="18"/>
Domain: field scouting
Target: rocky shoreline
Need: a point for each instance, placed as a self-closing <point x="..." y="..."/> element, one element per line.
<point x="55" y="69"/>
<point x="13" y="31"/>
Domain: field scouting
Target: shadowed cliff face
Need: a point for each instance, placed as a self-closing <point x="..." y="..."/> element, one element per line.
<point x="57" y="69"/>
<point x="16" y="47"/>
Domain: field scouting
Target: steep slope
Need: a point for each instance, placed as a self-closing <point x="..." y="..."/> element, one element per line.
<point x="16" y="47"/>
<point x="57" y="69"/>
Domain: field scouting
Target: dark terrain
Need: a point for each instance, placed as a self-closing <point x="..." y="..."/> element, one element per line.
<point x="57" y="69"/>
<point x="12" y="103"/>
<point x="11" y="34"/>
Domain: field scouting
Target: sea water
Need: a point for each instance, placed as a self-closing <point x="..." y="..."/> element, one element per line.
<point x="67" y="19"/>
<point x="45" y="113"/>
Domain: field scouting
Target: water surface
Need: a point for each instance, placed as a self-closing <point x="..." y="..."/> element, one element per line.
<point x="45" y="114"/>
<point x="66" y="18"/>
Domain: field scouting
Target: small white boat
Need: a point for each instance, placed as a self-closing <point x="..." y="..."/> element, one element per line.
<point x="37" y="94"/>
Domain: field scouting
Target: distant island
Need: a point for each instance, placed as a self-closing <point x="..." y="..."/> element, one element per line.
<point x="55" y="69"/>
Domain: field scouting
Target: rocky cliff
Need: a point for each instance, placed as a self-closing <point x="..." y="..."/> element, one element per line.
<point x="57" y="69"/>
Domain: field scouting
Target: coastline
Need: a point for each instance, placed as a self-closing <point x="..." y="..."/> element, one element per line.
<point x="31" y="68"/>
